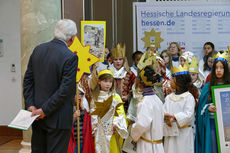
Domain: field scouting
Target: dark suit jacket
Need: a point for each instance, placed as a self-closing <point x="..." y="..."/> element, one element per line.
<point x="49" y="83"/>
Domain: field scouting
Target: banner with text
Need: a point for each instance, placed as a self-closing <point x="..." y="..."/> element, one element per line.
<point x="191" y="24"/>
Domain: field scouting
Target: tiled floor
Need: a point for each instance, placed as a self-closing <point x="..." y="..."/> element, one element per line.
<point x="12" y="146"/>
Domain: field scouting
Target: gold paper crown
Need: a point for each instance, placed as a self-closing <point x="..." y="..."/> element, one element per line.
<point x="104" y="72"/>
<point x="222" y="55"/>
<point x="180" y="70"/>
<point x="194" y="66"/>
<point x="119" y="51"/>
<point x="143" y="78"/>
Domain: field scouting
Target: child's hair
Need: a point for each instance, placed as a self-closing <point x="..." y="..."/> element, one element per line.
<point x="214" y="80"/>
<point x="96" y="91"/>
<point x="151" y="75"/>
<point x="178" y="47"/>
<point x="109" y="55"/>
<point x="170" y="57"/>
<point x="136" y="53"/>
<point x="210" y="44"/>
<point x="211" y="54"/>
<point x="184" y="82"/>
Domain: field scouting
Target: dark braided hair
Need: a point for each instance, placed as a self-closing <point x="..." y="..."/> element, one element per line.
<point x="184" y="84"/>
<point x="151" y="75"/>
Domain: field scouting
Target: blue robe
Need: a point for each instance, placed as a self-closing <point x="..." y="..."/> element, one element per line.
<point x="203" y="139"/>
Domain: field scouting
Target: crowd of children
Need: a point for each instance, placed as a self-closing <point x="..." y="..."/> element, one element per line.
<point x="161" y="104"/>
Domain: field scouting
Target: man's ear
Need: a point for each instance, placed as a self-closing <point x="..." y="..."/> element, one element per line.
<point x="70" y="41"/>
<point x="72" y="38"/>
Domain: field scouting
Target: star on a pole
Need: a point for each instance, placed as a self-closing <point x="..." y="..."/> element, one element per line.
<point x="85" y="58"/>
<point x="152" y="38"/>
<point x="102" y="107"/>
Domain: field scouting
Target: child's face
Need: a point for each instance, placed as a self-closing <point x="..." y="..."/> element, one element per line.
<point x="110" y="59"/>
<point x="118" y="62"/>
<point x="207" y="49"/>
<point x="106" y="84"/>
<point x="106" y="53"/>
<point x="173" y="50"/>
<point x="182" y="61"/>
<point x="194" y="76"/>
<point x="137" y="59"/>
<point x="219" y="70"/>
<point x="165" y="58"/>
<point x="210" y="62"/>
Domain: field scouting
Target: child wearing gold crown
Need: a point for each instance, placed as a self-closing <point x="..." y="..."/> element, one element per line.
<point x="123" y="76"/>
<point x="186" y="57"/>
<point x="206" y="140"/>
<point x="147" y="130"/>
<point x="194" y="73"/>
<point x="179" y="109"/>
<point x="108" y="116"/>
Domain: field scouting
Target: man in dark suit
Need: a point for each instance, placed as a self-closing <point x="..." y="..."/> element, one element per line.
<point x="49" y="89"/>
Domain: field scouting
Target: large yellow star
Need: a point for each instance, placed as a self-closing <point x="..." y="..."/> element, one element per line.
<point x="85" y="58"/>
<point x="152" y="38"/>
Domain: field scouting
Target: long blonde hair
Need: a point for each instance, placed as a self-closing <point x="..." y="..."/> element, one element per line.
<point x="170" y="58"/>
<point x="95" y="92"/>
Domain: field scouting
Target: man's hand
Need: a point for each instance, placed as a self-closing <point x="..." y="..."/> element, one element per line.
<point x="32" y="108"/>
<point x="37" y="112"/>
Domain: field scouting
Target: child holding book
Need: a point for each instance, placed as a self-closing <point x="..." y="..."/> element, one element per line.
<point x="206" y="140"/>
<point x="179" y="110"/>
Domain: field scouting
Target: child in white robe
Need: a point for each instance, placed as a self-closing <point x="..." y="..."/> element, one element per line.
<point x="147" y="130"/>
<point x="179" y="110"/>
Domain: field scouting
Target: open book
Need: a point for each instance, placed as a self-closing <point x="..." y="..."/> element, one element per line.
<point x="23" y="120"/>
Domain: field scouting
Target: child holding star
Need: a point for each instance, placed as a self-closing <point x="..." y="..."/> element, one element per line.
<point x="108" y="116"/>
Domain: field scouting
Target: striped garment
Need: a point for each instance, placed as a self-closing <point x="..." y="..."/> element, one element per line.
<point x="81" y="121"/>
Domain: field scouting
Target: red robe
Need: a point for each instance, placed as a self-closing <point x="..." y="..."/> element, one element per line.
<point x="88" y="142"/>
<point x="72" y="142"/>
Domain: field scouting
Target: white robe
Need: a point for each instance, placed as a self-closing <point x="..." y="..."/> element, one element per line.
<point x="203" y="74"/>
<point x="175" y="63"/>
<point x="182" y="107"/>
<point x="118" y="74"/>
<point x="149" y="125"/>
<point x="201" y="65"/>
